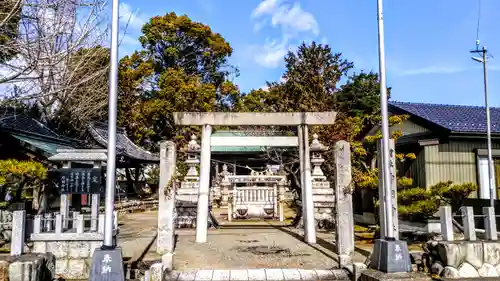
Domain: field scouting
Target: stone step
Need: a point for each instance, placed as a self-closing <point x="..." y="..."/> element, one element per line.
<point x="320" y="184"/>
<point x="325" y="191"/>
<point x="323" y="198"/>
<point x="276" y="274"/>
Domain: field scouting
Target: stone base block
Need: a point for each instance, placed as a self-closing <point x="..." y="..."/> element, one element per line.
<point x="32" y="267"/>
<point x="107" y="265"/>
<point x="322" y="222"/>
<point x="156" y="272"/>
<point x="390" y="256"/>
<point x="73" y="268"/>
<point x="253" y="211"/>
<point x="374" y="275"/>
<point x="186" y="215"/>
<point x="168" y="261"/>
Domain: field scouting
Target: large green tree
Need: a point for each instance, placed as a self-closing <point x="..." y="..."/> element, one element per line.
<point x="173" y="41"/>
<point x="312" y="78"/>
<point x="182" y="66"/>
<point x="312" y="81"/>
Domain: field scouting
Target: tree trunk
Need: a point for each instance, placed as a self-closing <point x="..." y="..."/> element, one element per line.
<point x="36" y="199"/>
<point x="130" y="182"/>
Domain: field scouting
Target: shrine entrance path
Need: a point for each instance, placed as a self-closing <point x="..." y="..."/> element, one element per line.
<point x="247" y="246"/>
<point x="236" y="245"/>
<point x="137" y="234"/>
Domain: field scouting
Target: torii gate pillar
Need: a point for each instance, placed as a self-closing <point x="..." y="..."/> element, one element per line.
<point x="300" y="119"/>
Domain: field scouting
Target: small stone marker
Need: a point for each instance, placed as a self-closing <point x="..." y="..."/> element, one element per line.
<point x="344" y="215"/>
<point x="107" y="265"/>
<point x="166" y="205"/>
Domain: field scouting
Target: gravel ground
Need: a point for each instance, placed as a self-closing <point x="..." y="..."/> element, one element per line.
<point x="255" y="247"/>
<point x="248" y="245"/>
<point x="137" y="231"/>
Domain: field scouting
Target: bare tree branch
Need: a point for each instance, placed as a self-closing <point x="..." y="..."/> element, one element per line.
<point x="15" y="9"/>
<point x="62" y="60"/>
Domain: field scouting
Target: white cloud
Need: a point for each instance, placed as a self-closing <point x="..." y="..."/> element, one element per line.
<point x="266" y="7"/>
<point x="130" y="17"/>
<point x="271" y="54"/>
<point x="293" y="22"/>
<point x="292" y="19"/>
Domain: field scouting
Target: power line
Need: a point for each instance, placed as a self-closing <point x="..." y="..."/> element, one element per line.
<point x="478" y="19"/>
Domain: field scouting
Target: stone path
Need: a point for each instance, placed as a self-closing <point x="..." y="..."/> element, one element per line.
<point x="137" y="231"/>
<point x="244" y="246"/>
<point x="251" y="247"/>
<point x="276" y="274"/>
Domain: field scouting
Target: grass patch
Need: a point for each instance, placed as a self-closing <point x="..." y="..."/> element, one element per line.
<point x="359" y="228"/>
<point x="415" y="247"/>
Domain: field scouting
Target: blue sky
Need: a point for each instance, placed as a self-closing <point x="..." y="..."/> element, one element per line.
<point x="427" y="41"/>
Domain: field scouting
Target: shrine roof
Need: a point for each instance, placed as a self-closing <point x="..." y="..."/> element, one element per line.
<point x="32" y="134"/>
<point x="99" y="131"/>
<point x="243" y="133"/>
<point x="13" y="120"/>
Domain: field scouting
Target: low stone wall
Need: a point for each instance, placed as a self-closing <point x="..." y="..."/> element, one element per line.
<point x="5" y="227"/>
<point x="27" y="267"/>
<point x="131" y="206"/>
<point x="72" y="247"/>
<point x="73" y="258"/>
<point x="464" y="259"/>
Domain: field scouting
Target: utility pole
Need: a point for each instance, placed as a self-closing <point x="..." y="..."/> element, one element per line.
<point x="107" y="261"/>
<point x="483" y="60"/>
<point x="389" y="255"/>
<point x="385" y="167"/>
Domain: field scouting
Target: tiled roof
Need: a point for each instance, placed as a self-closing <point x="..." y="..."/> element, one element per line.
<point x="240" y="149"/>
<point x="456" y="118"/>
<point x="123" y="144"/>
<point x="239" y="133"/>
<point x="10" y="119"/>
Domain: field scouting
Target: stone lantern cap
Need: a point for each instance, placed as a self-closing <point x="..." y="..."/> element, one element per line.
<point x="316" y="145"/>
<point x="193" y="145"/>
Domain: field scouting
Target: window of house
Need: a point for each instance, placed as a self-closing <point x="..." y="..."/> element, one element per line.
<point x="483" y="180"/>
<point x="497" y="172"/>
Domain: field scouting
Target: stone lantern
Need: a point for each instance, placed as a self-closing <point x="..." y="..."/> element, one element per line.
<point x="193" y="160"/>
<point x="317" y="149"/>
<point x="225" y="184"/>
<point x="323" y="194"/>
<point x="187" y="196"/>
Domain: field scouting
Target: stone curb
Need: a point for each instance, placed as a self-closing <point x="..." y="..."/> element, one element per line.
<point x="257" y="274"/>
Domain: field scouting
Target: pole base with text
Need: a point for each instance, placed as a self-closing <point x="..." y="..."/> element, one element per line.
<point x="107" y="265"/>
<point x="390" y="256"/>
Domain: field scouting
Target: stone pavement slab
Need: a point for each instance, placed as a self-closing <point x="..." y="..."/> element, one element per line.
<point x="274" y="274"/>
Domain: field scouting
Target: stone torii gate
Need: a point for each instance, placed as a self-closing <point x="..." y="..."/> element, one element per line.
<point x="300" y="119"/>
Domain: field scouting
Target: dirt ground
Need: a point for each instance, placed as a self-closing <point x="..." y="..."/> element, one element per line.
<point x="234" y="246"/>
